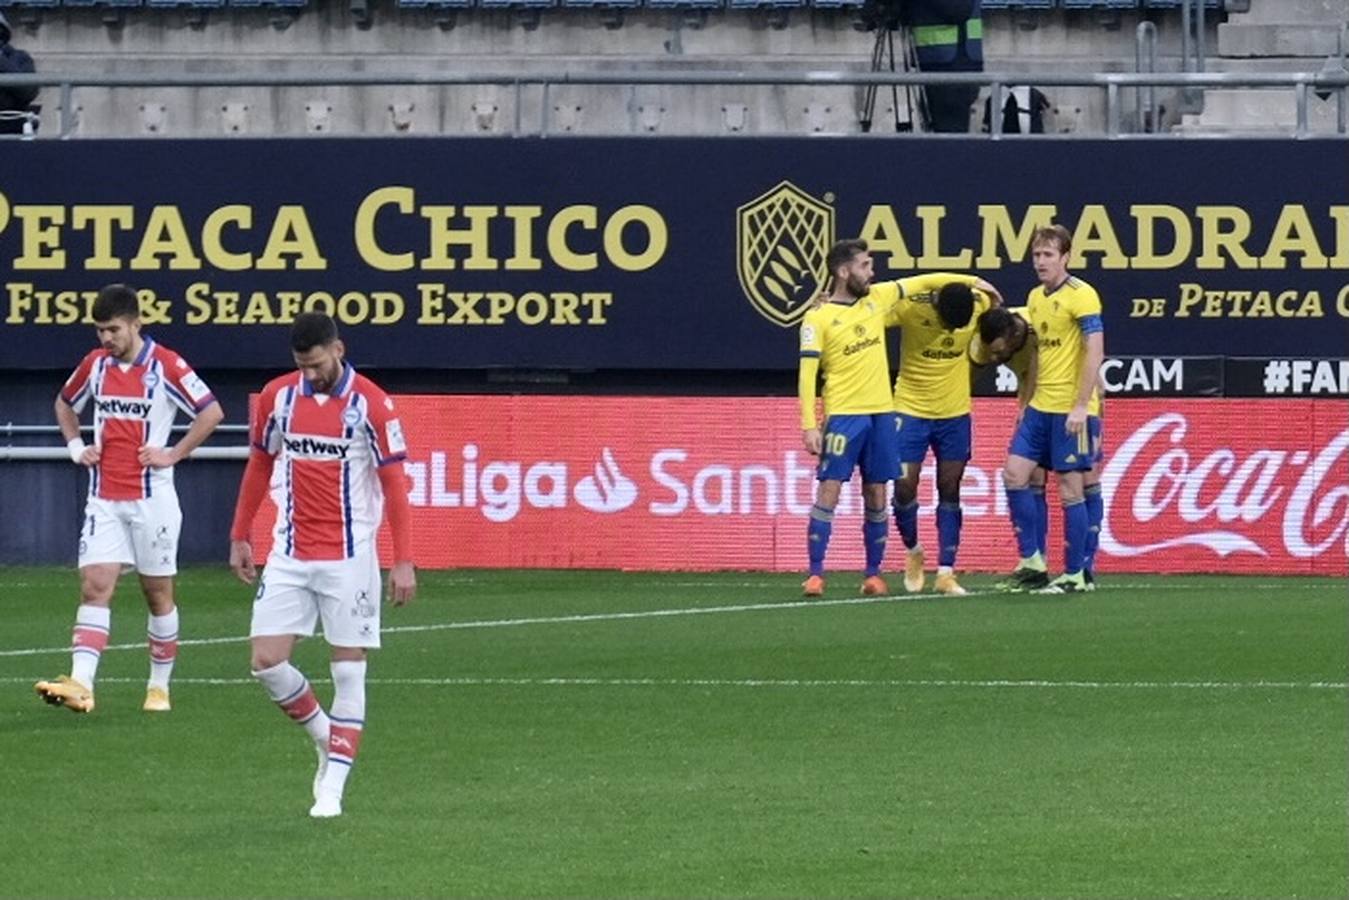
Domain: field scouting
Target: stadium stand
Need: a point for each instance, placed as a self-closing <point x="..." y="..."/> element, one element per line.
<point x="289" y="37"/>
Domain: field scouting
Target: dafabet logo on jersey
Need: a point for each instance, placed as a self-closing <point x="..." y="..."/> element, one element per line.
<point x="782" y="238"/>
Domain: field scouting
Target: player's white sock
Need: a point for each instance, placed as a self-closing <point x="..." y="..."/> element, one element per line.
<point x="89" y="638"/>
<point x="162" y="634"/>
<point x="348" y="721"/>
<point x="946" y="570"/>
<point x="292" y="692"/>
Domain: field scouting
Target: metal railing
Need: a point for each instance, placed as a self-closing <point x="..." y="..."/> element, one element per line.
<point x="1330" y="80"/>
<point x="10" y="453"/>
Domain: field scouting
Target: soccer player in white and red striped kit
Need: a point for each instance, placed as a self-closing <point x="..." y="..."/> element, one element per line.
<point x="329" y="444"/>
<point x="131" y="517"/>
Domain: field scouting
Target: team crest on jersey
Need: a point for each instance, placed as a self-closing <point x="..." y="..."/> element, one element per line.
<point x="150" y="380"/>
<point x="351" y="416"/>
<point x="782" y="239"/>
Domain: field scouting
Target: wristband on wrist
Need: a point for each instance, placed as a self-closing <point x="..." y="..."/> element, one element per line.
<point x="76" y="446"/>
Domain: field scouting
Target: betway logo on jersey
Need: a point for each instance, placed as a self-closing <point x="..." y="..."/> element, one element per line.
<point x="319" y="448"/>
<point x="123" y="408"/>
<point x="1173" y="484"/>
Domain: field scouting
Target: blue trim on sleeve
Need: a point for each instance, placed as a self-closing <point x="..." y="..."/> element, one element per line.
<point x="1091" y="324"/>
<point x="810" y="354"/>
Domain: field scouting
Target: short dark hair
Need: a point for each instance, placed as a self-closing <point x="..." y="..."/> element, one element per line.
<point x="955" y="304"/>
<point x="842" y="253"/>
<point x="116" y="301"/>
<point x="312" y="329"/>
<point x="993" y="324"/>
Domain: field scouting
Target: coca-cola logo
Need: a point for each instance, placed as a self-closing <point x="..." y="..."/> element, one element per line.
<point x="1219" y="497"/>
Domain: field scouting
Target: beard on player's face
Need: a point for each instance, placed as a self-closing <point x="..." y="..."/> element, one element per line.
<point x="321" y="366"/>
<point x="857" y="285"/>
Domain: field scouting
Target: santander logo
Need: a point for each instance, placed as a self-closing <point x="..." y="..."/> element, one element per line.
<point x="1201" y="493"/>
<point x="608" y="490"/>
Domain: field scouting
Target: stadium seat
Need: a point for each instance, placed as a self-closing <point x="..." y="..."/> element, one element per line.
<point x="767" y="4"/>
<point x="837" y="4"/>
<point x="1018" y="4"/>
<point x="196" y="4"/>
<point x="1100" y="4"/>
<point x="32" y="4"/>
<point x="1176" y="4"/>
<point x="684" y="4"/>
<point x="291" y="4"/>
<point x="435" y="4"/>
<point x="601" y="4"/>
<point x="517" y="4"/>
<point x="122" y="4"/>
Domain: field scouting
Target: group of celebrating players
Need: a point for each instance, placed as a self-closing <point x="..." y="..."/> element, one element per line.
<point x="951" y="325"/>
<point x="326" y="442"/>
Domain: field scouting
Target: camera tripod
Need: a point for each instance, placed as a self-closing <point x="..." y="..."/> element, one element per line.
<point x="883" y="59"/>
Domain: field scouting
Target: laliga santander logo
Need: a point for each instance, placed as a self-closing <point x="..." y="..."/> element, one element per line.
<point x="608" y="490"/>
<point x="500" y="489"/>
<point x="1223" y="489"/>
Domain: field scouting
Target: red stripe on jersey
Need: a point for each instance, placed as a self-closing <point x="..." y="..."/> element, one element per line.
<point x="317" y="515"/>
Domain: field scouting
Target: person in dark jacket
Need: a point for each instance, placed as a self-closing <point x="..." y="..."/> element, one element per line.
<point x="13" y="61"/>
<point x="948" y="36"/>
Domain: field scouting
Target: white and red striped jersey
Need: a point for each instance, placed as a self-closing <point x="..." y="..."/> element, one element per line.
<point x="328" y="448"/>
<point x="134" y="405"/>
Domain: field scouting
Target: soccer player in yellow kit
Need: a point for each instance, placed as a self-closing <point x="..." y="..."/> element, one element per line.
<point x="844" y="337"/>
<point x="1006" y="338"/>
<point x="1056" y="430"/>
<point x="932" y="398"/>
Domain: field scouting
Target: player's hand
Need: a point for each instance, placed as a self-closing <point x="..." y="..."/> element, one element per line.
<point x="813" y="440"/>
<point x="1077" y="419"/>
<point x="989" y="289"/>
<point x="156" y="457"/>
<point x="91" y="455"/>
<point x="241" y="561"/>
<point x="402" y="583"/>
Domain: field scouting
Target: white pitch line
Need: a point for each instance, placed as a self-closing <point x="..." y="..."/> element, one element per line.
<point x="613" y="616"/>
<point x="784" y="683"/>
<point x="537" y="620"/>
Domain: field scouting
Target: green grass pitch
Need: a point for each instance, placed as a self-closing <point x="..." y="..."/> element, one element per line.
<point x="615" y="734"/>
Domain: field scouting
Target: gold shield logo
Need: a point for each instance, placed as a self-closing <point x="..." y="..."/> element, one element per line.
<point x="782" y="238"/>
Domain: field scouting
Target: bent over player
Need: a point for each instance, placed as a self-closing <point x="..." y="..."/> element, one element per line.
<point x="330" y="445"/>
<point x="932" y="397"/>
<point x="132" y="516"/>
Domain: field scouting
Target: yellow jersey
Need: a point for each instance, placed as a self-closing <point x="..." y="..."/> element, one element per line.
<point x="847" y="342"/>
<point x="1019" y="362"/>
<point x="934" y="374"/>
<point x="1061" y="318"/>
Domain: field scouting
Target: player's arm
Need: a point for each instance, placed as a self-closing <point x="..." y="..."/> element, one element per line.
<point x="265" y="439"/>
<point x="252" y="489"/>
<point x="69" y="401"/>
<point x="931" y="282"/>
<point x="1093" y="333"/>
<point x="1025" y="387"/>
<point x="402" y="577"/>
<point x="69" y="422"/>
<point x="808" y="371"/>
<point x="201" y="428"/>
<point x="987" y="288"/>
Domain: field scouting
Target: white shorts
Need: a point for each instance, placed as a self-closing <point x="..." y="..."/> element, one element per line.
<point x="141" y="534"/>
<point x="293" y="595"/>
